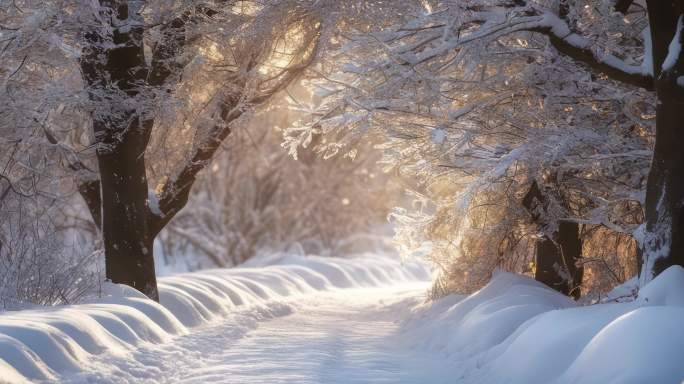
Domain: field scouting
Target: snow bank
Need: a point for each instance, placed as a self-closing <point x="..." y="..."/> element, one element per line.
<point x="44" y="344"/>
<point x="484" y="319"/>
<point x="516" y="330"/>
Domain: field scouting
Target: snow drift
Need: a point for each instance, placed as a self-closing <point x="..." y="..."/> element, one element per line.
<point x="516" y="330"/>
<point x="37" y="345"/>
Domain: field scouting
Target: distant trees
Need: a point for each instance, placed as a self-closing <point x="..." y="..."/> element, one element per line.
<point x="308" y="204"/>
<point x="313" y="203"/>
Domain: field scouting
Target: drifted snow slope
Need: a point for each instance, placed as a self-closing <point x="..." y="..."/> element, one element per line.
<point x="516" y="330"/>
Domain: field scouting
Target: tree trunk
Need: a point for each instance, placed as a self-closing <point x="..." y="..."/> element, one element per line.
<point x="114" y="68"/>
<point x="129" y="257"/>
<point x="557" y="255"/>
<point x="556" y="260"/>
<point x="662" y="241"/>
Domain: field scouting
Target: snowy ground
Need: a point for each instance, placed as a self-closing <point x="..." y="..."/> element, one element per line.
<point x="359" y="320"/>
<point x="219" y="325"/>
<point x="346" y="336"/>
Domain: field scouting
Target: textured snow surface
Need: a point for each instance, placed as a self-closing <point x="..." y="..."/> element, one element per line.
<point x="350" y="320"/>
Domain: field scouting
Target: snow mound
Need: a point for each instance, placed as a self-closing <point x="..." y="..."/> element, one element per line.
<point x="484" y="319"/>
<point x="515" y="330"/>
<point x="43" y="344"/>
<point x="643" y="346"/>
<point x="666" y="289"/>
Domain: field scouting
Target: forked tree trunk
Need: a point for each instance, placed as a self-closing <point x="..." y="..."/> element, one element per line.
<point x="557" y="255"/>
<point x="662" y="240"/>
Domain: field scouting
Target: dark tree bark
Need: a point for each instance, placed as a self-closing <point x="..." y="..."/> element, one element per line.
<point x="663" y="244"/>
<point x="113" y="66"/>
<point x="587" y="56"/>
<point x="557" y="255"/>
<point x="128" y="243"/>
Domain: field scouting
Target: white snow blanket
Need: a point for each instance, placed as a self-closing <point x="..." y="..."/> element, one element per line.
<point x="514" y="330"/>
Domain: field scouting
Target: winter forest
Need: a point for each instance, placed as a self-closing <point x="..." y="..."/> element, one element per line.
<point x="342" y="191"/>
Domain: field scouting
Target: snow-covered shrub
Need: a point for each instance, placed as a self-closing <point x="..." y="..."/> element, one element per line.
<point x="44" y="259"/>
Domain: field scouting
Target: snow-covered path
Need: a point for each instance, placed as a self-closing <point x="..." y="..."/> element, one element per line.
<point x="306" y="319"/>
<point x="346" y="336"/>
<point x="282" y="319"/>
